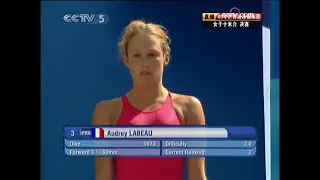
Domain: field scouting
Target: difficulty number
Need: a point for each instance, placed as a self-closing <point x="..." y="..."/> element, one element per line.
<point x="247" y="143"/>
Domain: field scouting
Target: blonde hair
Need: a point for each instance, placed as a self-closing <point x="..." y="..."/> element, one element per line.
<point x="139" y="26"/>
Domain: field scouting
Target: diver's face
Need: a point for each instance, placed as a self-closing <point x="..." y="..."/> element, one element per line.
<point x="145" y="59"/>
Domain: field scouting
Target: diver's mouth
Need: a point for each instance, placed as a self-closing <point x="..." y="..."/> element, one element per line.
<point x="145" y="73"/>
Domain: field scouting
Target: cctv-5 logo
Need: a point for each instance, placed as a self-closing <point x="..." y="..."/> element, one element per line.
<point x="86" y="18"/>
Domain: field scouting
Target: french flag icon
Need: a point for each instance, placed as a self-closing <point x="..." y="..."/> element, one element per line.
<point x="97" y="133"/>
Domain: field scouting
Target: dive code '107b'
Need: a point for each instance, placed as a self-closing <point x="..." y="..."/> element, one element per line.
<point x="151" y="144"/>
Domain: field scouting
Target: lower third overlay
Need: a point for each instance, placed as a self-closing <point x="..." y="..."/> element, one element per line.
<point x="185" y="141"/>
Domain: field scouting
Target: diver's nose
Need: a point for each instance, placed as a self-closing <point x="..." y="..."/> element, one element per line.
<point x="145" y="62"/>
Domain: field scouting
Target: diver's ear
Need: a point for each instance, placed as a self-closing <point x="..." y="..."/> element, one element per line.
<point x="166" y="60"/>
<point x="126" y="60"/>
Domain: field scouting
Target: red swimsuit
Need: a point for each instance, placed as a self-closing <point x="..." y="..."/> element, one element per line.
<point x="148" y="168"/>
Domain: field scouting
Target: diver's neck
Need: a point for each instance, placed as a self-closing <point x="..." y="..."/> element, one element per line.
<point x="148" y="93"/>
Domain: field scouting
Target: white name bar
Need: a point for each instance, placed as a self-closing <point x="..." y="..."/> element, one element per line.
<point x="169" y="132"/>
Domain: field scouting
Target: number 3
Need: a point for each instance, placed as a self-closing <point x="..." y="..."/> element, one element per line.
<point x="72" y="133"/>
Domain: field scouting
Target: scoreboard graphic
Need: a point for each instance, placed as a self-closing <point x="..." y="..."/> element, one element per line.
<point x="160" y="141"/>
<point x="232" y="19"/>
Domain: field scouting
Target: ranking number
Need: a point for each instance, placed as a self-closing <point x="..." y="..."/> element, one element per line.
<point x="72" y="132"/>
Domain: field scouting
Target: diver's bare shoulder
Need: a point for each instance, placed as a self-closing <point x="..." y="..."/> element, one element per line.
<point x="186" y="106"/>
<point x="107" y="111"/>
